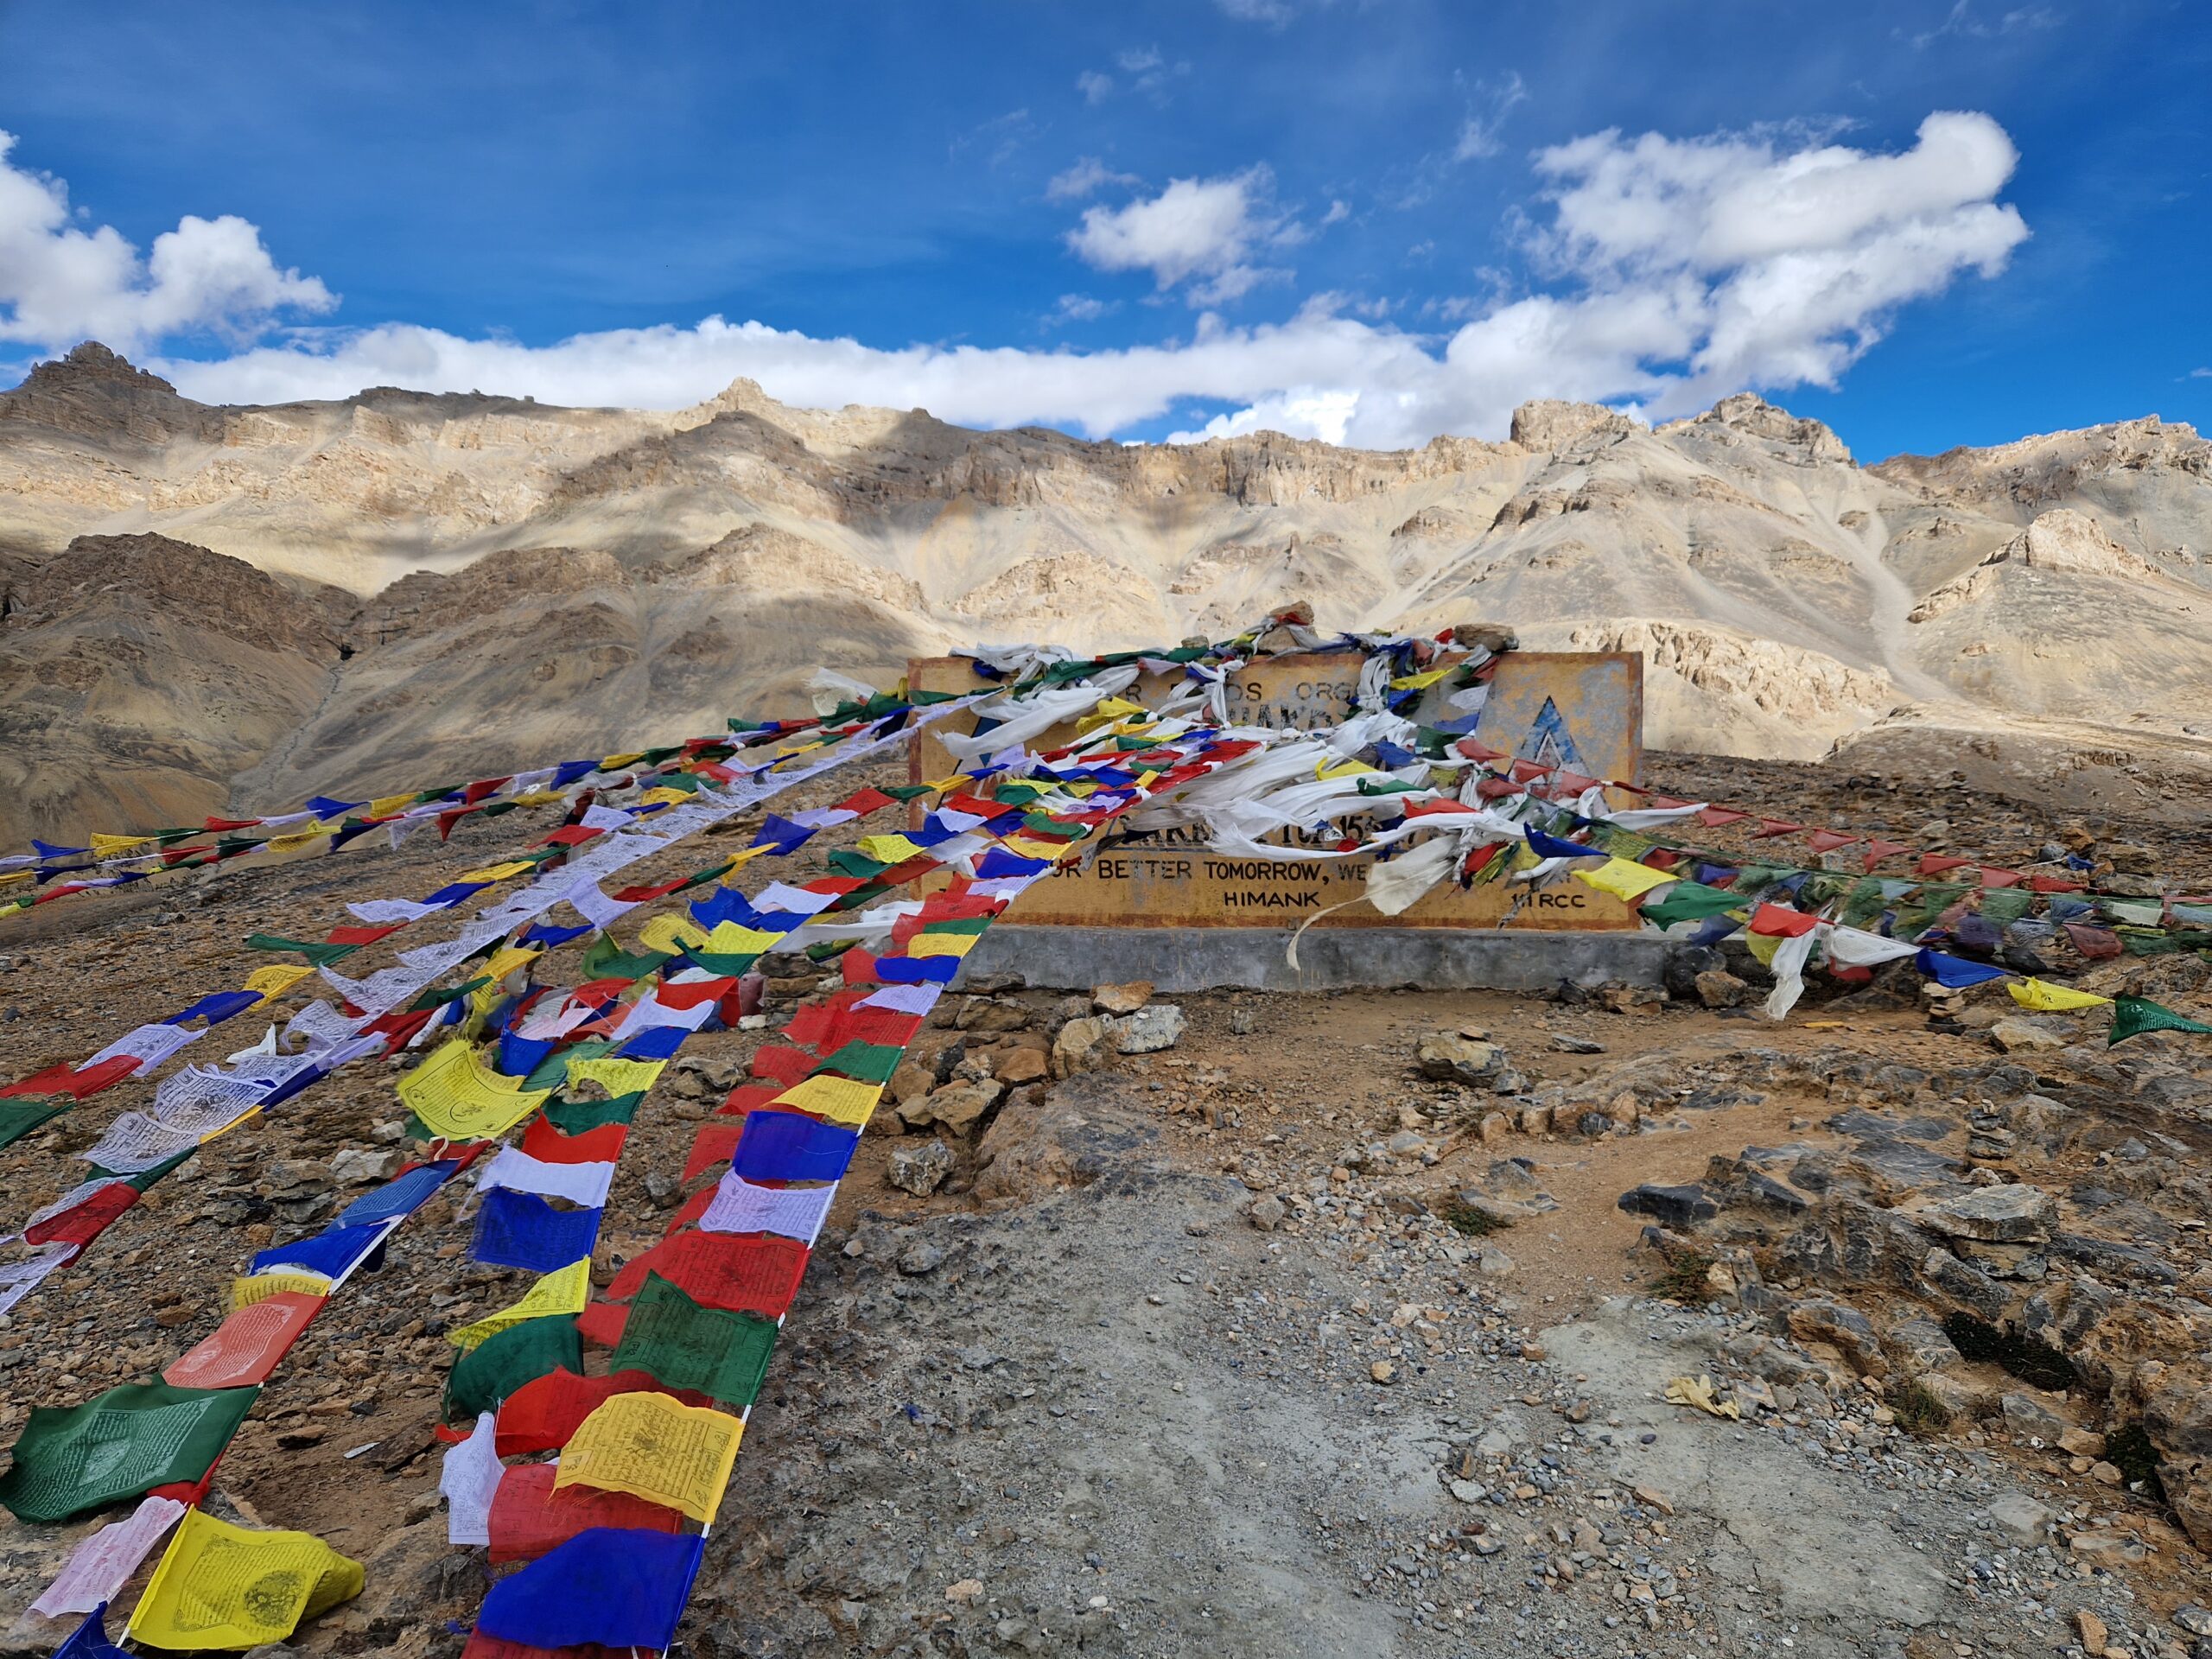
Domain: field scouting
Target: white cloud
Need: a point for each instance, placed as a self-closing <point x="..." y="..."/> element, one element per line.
<point x="1082" y="308"/>
<point x="1673" y="271"/>
<point x="1479" y="134"/>
<point x="1200" y="231"/>
<point x="1338" y="211"/>
<point x="1087" y="177"/>
<point x="60" y="284"/>
<point x="1304" y="411"/>
<point x="1141" y="61"/>
<point x="1095" y="87"/>
<point x="1275" y="13"/>
<point x="2200" y="374"/>
<point x="1796" y="259"/>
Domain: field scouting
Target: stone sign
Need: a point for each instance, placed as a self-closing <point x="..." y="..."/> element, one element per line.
<point x="1580" y="710"/>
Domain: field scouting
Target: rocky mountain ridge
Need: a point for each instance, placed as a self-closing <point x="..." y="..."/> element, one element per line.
<point x="502" y="581"/>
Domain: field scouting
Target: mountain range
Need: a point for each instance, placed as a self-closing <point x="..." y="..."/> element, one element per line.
<point x="204" y="607"/>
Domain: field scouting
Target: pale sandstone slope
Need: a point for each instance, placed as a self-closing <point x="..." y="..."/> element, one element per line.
<point x="532" y="582"/>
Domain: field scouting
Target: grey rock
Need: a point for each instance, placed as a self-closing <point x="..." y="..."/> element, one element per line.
<point x="1674" y="1207"/>
<point x="920" y="1256"/>
<point x="919" y="1170"/>
<point x="2016" y="1214"/>
<point x="2020" y="1518"/>
<point x="1158" y="1025"/>
<point x="1265" y="1213"/>
<point x="1447" y="1057"/>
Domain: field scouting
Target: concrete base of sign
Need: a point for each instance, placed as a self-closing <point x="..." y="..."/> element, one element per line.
<point x="1329" y="959"/>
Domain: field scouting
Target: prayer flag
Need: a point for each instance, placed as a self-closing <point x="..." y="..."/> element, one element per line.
<point x="2045" y="997"/>
<point x="561" y="1291"/>
<point x="224" y="1587"/>
<point x="528" y="1517"/>
<point x="652" y="1447"/>
<point x="69" y="1459"/>
<point x="1625" y="879"/>
<point x="520" y="1229"/>
<point x="503" y="1364"/>
<point x="618" y="1587"/>
<point x="2133" y="1015"/>
<point x="725" y="1356"/>
<point x="246" y="1347"/>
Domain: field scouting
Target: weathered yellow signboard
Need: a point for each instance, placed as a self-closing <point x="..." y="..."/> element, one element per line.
<point x="1583" y="710"/>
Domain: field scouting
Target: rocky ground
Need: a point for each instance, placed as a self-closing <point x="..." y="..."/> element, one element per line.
<point x="1321" y="1328"/>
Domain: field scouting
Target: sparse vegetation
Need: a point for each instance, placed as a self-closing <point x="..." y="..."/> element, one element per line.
<point x="1683" y="1278"/>
<point x="1918" y="1411"/>
<point x="1471" y="1221"/>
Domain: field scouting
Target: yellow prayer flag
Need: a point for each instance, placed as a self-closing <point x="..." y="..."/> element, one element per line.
<point x="839" y="1099"/>
<point x="663" y="796"/>
<point x="273" y="981"/>
<point x="294" y="841"/>
<point x="460" y="1098"/>
<point x="505" y="960"/>
<point x="384" y="805"/>
<point x="940" y="784"/>
<point x="942" y="944"/>
<point x="616" y="762"/>
<point x="738" y="862"/>
<point x="656" y="1447"/>
<point x="617" y="1077"/>
<point x="1624" y="879"/>
<point x="114" y="846"/>
<point x="497" y="872"/>
<point x="1423" y="680"/>
<point x="541" y="798"/>
<point x="1323" y="772"/>
<point x="561" y="1291"/>
<point x="1763" y="946"/>
<point x="1029" y="846"/>
<point x="734" y="938"/>
<point x="2044" y="996"/>
<point x="670" y="934"/>
<point x="14" y="876"/>
<point x="260" y="1286"/>
<point x="225" y="1587"/>
<point x="888" y="849"/>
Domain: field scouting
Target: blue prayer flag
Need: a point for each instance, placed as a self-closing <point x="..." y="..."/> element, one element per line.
<point x="1954" y="972"/>
<point x="520" y="1229"/>
<point x="328" y="1253"/>
<point x="617" y="1586"/>
<point x="216" y="1008"/>
<point x="1545" y="846"/>
<point x="400" y="1196"/>
<point x="793" y="1147"/>
<point x="89" y="1640"/>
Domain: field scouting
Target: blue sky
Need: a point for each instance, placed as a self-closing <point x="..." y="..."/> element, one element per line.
<point x="1368" y="220"/>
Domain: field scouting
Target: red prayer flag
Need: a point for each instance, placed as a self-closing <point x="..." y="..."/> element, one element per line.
<point x="749" y="1273"/>
<point x="545" y="1411"/>
<point x="529" y="1516"/>
<point x="1714" y="817"/>
<point x="246" y="1346"/>
<point x="544" y="1141"/>
<point x="715" y="1145"/>
<point x="1776" y="922"/>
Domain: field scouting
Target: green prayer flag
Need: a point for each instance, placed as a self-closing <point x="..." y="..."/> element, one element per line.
<point x="723" y="965"/>
<point x="605" y="960"/>
<point x="322" y="955"/>
<point x="19" y="1117"/>
<point x="864" y="1062"/>
<point x="580" y="1116"/>
<point x="906" y="791"/>
<point x="499" y="1364"/>
<point x="73" y="1459"/>
<point x="1691" y="902"/>
<point x="2133" y="1015"/>
<point x="960" y="924"/>
<point x="846" y="862"/>
<point x="684" y="1346"/>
